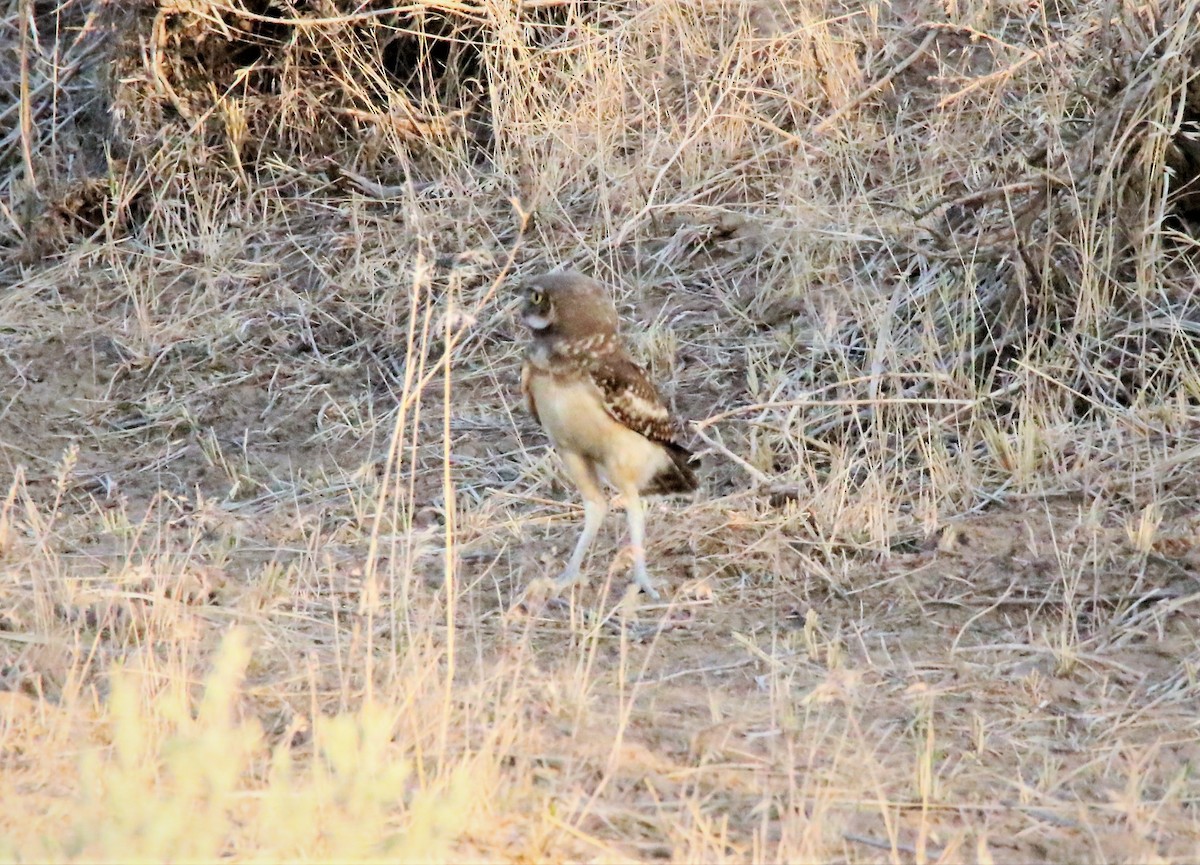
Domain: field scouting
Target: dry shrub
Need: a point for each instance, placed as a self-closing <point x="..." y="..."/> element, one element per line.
<point x="1032" y="269"/>
<point x="166" y="98"/>
<point x="304" y="80"/>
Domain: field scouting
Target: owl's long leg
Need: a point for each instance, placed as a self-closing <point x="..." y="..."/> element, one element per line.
<point x="595" y="506"/>
<point x="635" y="513"/>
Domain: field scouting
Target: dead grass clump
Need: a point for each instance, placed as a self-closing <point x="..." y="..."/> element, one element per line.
<point x="121" y="108"/>
<point x="257" y="79"/>
<point x="1093" y="239"/>
<point x="53" y="126"/>
<point x="1032" y="265"/>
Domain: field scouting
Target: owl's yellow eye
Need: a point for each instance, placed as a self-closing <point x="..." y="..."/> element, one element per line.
<point x="537" y="298"/>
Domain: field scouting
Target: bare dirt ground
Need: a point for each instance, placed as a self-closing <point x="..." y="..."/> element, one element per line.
<point x="1019" y="683"/>
<point x="270" y="507"/>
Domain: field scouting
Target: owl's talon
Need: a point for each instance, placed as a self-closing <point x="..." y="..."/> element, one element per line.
<point x="647" y="588"/>
<point x="566" y="581"/>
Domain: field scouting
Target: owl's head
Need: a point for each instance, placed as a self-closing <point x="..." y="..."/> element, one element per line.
<point x="569" y="306"/>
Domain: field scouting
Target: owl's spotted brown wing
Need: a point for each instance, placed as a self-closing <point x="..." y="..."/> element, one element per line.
<point x="631" y="399"/>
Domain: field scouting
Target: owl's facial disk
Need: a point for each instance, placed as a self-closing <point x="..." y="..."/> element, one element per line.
<point x="537" y="312"/>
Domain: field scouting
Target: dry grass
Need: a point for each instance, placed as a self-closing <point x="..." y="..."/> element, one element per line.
<point x="922" y="274"/>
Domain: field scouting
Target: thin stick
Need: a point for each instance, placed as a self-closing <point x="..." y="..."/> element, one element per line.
<point x="883" y="82"/>
<point x="750" y="470"/>
<point x="826" y="403"/>
<point x="882" y="844"/>
<point x="26" y="106"/>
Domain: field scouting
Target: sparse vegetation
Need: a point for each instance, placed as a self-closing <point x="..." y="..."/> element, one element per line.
<point x="924" y="276"/>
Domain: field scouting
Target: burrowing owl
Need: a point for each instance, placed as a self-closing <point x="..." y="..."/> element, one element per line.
<point x="600" y="410"/>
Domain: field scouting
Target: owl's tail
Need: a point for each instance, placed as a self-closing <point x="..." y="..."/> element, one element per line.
<point x="677" y="477"/>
